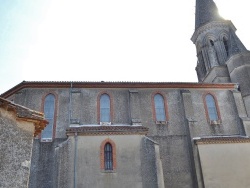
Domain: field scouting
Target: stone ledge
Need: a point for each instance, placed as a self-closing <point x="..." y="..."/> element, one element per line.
<point x="221" y="140"/>
<point x="107" y="130"/>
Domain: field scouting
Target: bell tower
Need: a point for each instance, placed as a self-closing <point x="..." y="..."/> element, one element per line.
<point x="215" y="41"/>
<point x="221" y="56"/>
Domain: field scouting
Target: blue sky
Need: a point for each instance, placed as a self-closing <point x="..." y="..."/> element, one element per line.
<point x="112" y="40"/>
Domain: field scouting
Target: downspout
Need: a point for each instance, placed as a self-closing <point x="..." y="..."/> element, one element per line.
<point x="129" y="108"/>
<point x="70" y="103"/>
<point x="75" y="161"/>
<point x="76" y="136"/>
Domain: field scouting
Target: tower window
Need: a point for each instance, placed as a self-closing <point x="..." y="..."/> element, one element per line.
<point x="108" y="157"/>
<point x="211" y="108"/>
<point x="226" y="45"/>
<point x="160" y="112"/>
<point x="212" y="43"/>
<point x="49" y="113"/>
<point x="105" y="108"/>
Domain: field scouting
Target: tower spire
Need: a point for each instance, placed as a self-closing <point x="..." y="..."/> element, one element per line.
<point x="236" y="46"/>
<point x="206" y="11"/>
<point x="221" y="56"/>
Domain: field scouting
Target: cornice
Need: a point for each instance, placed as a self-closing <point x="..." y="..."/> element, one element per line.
<point x="107" y="130"/>
<point x="210" y="25"/>
<point x="222" y="140"/>
<point x="128" y="85"/>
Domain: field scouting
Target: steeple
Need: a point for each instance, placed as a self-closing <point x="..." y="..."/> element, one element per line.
<point x="235" y="46"/>
<point x="216" y="43"/>
<point x="206" y="11"/>
<point x="221" y="56"/>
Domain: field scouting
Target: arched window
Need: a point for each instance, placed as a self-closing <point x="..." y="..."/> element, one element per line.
<point x="160" y="113"/>
<point x="108" y="157"/>
<point x="211" y="42"/>
<point x="105" y="108"/>
<point x="211" y="108"/>
<point x="49" y="113"/>
<point x="226" y="45"/>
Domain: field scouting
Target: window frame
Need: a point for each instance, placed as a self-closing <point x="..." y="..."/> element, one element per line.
<point x="154" y="108"/>
<point x="102" y="155"/>
<point x="212" y="122"/>
<point x="108" y="156"/>
<point x="99" y="109"/>
<point x="54" y="118"/>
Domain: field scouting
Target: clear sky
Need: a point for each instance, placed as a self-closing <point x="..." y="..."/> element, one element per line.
<point x="109" y="40"/>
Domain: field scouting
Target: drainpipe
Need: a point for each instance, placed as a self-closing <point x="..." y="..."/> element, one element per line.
<point x="75" y="161"/>
<point x="129" y="108"/>
<point x="70" y="103"/>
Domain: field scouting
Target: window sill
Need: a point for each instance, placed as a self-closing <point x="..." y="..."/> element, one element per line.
<point x="105" y="123"/>
<point x="108" y="171"/>
<point x="161" y="122"/>
<point x="46" y="139"/>
<point x="215" y="122"/>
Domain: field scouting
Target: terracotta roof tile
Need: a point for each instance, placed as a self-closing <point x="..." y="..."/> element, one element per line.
<point x="102" y="84"/>
<point x="25" y="114"/>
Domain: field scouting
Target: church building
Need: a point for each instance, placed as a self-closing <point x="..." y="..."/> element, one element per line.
<point x="149" y="134"/>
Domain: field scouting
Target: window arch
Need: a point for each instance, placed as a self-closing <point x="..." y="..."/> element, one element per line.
<point x="159" y="108"/>
<point x="160" y="113"/>
<point x="108" y="155"/>
<point x="105" y="108"/>
<point x="49" y="113"/>
<point x="211" y="108"/>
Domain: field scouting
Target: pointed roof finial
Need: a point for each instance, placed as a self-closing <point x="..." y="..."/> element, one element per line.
<point x="206" y="11"/>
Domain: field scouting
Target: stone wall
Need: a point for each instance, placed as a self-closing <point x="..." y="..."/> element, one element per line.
<point x="225" y="163"/>
<point x="127" y="172"/>
<point x="44" y="166"/>
<point x="16" y="137"/>
<point x="186" y="118"/>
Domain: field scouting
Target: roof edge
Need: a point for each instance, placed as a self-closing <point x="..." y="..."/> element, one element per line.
<point x="74" y="84"/>
<point x="26" y="114"/>
<point x="221" y="139"/>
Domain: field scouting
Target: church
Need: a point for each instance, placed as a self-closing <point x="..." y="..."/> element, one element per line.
<point x="149" y="134"/>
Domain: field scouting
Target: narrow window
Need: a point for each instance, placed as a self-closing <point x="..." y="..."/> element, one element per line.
<point x="212" y="43"/>
<point x="226" y="45"/>
<point x="108" y="157"/>
<point x="211" y="108"/>
<point x="160" y="112"/>
<point x="105" y="108"/>
<point x="49" y="111"/>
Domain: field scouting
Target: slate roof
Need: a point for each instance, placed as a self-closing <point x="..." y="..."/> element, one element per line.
<point x="206" y="11"/>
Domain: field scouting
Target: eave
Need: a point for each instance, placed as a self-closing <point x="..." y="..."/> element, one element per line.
<point x="25" y="114"/>
<point x="74" y="84"/>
